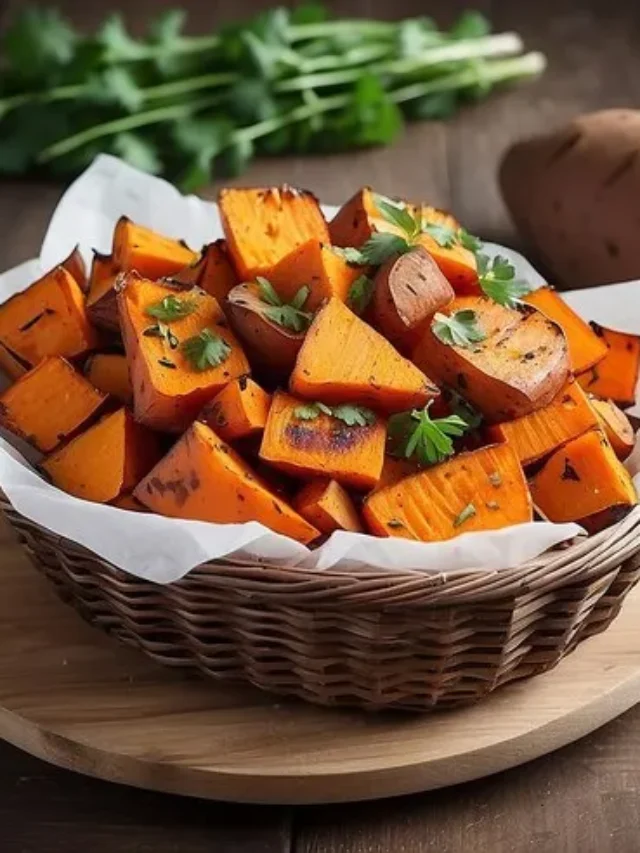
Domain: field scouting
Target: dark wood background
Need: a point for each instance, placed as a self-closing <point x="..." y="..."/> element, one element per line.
<point x="584" y="798"/>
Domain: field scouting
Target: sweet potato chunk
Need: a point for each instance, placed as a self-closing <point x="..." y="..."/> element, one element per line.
<point x="519" y="367"/>
<point x="584" y="482"/>
<point x="343" y="360"/>
<point x="616" y="427"/>
<point x="170" y="387"/>
<point x="316" y="266"/>
<point x="616" y="376"/>
<point x="264" y="225"/>
<point x="129" y="503"/>
<point x="75" y="265"/>
<point x="10" y="364"/>
<point x="396" y="468"/>
<point x="150" y="254"/>
<point x="49" y="404"/>
<point x="109" y="373"/>
<point x="203" y="478"/>
<point x="537" y="435"/>
<point x="482" y="490"/>
<point x="102" y="307"/>
<point x="356" y="220"/>
<point x="457" y="264"/>
<point x="585" y="347"/>
<point x="212" y="271"/>
<point x="304" y="443"/>
<point x="238" y="411"/>
<point x="48" y="318"/>
<point x="105" y="461"/>
<point x="326" y="505"/>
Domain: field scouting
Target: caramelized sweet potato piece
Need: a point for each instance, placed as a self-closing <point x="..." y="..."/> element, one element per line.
<point x="316" y="266"/>
<point x="212" y="271"/>
<point x="616" y="426"/>
<point x="271" y="347"/>
<point x="105" y="461"/>
<point x="584" y="482"/>
<point x="76" y="266"/>
<point x="129" y="503"/>
<point x="457" y="264"/>
<point x="203" y="478"/>
<point x="357" y="220"/>
<point x="10" y="364"/>
<point x="109" y="373"/>
<point x="328" y="506"/>
<point x="322" y="445"/>
<point x="538" y="434"/>
<point x="264" y="225"/>
<point x="102" y="307"/>
<point x="482" y="490"/>
<point x="585" y="347"/>
<point x="519" y="367"/>
<point x="408" y="289"/>
<point x="238" y="411"/>
<point x="49" y="404"/>
<point x="343" y="360"/>
<point x="150" y="254"/>
<point x="170" y="387"/>
<point x="48" y="318"/>
<point x="616" y="376"/>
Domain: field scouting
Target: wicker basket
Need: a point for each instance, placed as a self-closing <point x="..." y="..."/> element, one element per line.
<point x="375" y="639"/>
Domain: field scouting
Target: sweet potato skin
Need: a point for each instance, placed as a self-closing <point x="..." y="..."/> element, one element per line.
<point x="616" y="426"/>
<point x="328" y="506"/>
<point x="615" y="377"/>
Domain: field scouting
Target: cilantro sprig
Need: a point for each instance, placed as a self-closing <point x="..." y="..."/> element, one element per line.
<point x="205" y="350"/>
<point x="498" y="281"/>
<point x="416" y="435"/>
<point x="287" y="314"/>
<point x="348" y="413"/>
<point x="458" y="329"/>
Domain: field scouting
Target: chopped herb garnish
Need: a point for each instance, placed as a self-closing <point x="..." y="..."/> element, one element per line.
<point x="287" y="314"/>
<point x="469" y="241"/>
<point x="360" y="294"/>
<point x="495" y="478"/>
<point x="396" y="213"/>
<point x="310" y="411"/>
<point x="171" y="308"/>
<point x="444" y="235"/>
<point x="498" y="281"/>
<point x="348" y="414"/>
<point x="468" y="512"/>
<point x="416" y="434"/>
<point x="161" y="330"/>
<point x="459" y="329"/>
<point x="206" y="350"/>
<point x="382" y="246"/>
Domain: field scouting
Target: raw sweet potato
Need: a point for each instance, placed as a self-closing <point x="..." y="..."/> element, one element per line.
<point x="316" y="266"/>
<point x="305" y="441"/>
<point x="616" y="427"/>
<point x="76" y="266"/>
<point x="150" y="254"/>
<point x="271" y="347"/>
<point x="10" y="364"/>
<point x="203" y="478"/>
<point x="482" y="490"/>
<point x="212" y="271"/>
<point x="105" y="461"/>
<point x="102" y="307"/>
<point x="48" y="318"/>
<point x="264" y="225"/>
<point x="584" y="482"/>
<point x="109" y="373"/>
<point x="240" y="410"/>
<point x="408" y="289"/>
<point x="328" y="506"/>
<point x="343" y="360"/>
<point x="179" y="363"/>
<point x="540" y="433"/>
<point x="49" y="404"/>
<point x="585" y="347"/>
<point x="520" y="366"/>
<point x="616" y="376"/>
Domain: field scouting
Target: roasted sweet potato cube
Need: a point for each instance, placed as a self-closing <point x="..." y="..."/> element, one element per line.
<point x="49" y="404"/>
<point x="203" y="478"/>
<point x="304" y="442"/>
<point x="107" y="460"/>
<point x="264" y="225"/>
<point x="109" y="373"/>
<point x="178" y="366"/>
<point x="129" y="503"/>
<point x="150" y="254"/>
<point x="482" y="490"/>
<point x="240" y="410"/>
<point x="457" y="264"/>
<point x="213" y="271"/>
<point x="48" y="318"/>
<point x="344" y="360"/>
<point x="76" y="266"/>
<point x="10" y="365"/>
<point x="616" y="426"/>
<point x="584" y="482"/>
<point x="616" y="376"/>
<point x="316" y="266"/>
<point x="357" y="220"/>
<point x="328" y="506"/>
<point x="102" y="307"/>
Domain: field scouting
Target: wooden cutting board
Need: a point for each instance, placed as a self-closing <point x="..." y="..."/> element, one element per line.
<point x="72" y="696"/>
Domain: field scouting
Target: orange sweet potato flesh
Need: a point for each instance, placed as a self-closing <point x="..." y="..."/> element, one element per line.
<point x="616" y="376"/>
<point x="456" y="263"/>
<point x="240" y="410"/>
<point x="616" y="427"/>
<point x="49" y="404"/>
<point x="520" y="367"/>
<point x="168" y="390"/>
<point x="584" y="482"/>
<point x="48" y="318"/>
<point x="324" y="446"/>
<point x="212" y="271"/>
<point x="150" y="254"/>
<point x="107" y="460"/>
<point x="538" y="434"/>
<point x="344" y="360"/>
<point x="328" y="506"/>
<point x="316" y="266"/>
<point x="482" y="490"/>
<point x="585" y="347"/>
<point x="76" y="266"/>
<point x="10" y="364"/>
<point x="396" y="468"/>
<point x="102" y="307"/>
<point x="109" y="373"/>
<point x="202" y="478"/>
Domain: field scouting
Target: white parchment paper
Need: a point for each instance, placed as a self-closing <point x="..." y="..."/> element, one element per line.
<point x="164" y="549"/>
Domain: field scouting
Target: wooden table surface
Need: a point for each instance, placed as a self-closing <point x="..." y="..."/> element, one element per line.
<point x="584" y="798"/>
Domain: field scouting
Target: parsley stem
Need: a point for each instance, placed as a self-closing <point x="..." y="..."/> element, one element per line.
<point x="324" y="29"/>
<point x="306" y="111"/>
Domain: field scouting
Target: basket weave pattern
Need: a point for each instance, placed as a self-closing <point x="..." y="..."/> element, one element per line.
<point x="370" y="639"/>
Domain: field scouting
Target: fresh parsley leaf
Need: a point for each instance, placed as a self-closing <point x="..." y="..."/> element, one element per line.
<point x="444" y="235"/>
<point x="290" y="315"/>
<point x="397" y="214"/>
<point x="468" y="512"/>
<point x="354" y="415"/>
<point x="458" y="329"/>
<point x="206" y="350"/>
<point x="267" y="291"/>
<point x="301" y="297"/>
<point x="171" y="308"/>
<point x="415" y="434"/>
<point x="38" y="41"/>
<point x="380" y="247"/>
<point x="350" y="255"/>
<point x="498" y="281"/>
<point x="310" y="411"/>
<point x="470" y="25"/>
<point x="360" y="294"/>
<point x="140" y="152"/>
<point x="117" y="44"/>
<point x="469" y="241"/>
<point x="115" y="86"/>
<point x="432" y="107"/>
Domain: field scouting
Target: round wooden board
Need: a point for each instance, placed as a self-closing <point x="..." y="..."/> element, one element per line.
<point x="72" y="696"/>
